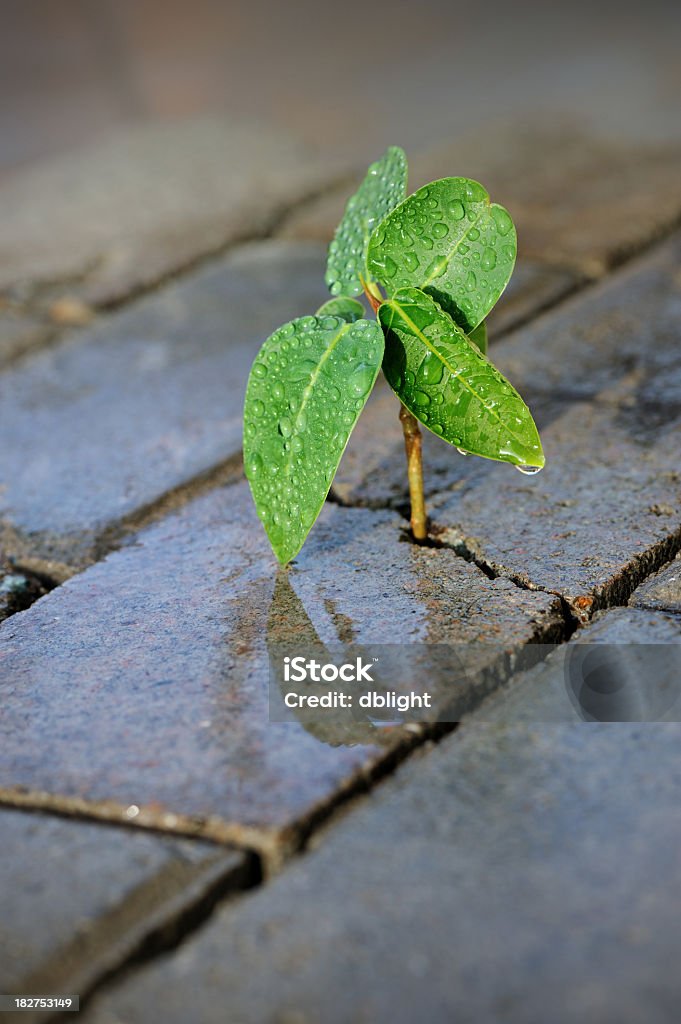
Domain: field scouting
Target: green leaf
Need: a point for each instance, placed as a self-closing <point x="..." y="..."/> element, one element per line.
<point x="384" y="186"/>
<point x="305" y="391"/>
<point x="451" y="387"/>
<point x="347" y="309"/>
<point x="449" y="241"/>
<point x="479" y="337"/>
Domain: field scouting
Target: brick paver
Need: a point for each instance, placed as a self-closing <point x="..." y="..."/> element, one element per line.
<point x="79" y="898"/>
<point x="97" y="429"/>
<point x="516" y="867"/>
<point x="662" y="590"/>
<point x="122" y="213"/>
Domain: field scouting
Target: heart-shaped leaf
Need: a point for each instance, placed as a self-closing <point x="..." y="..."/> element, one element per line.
<point x="451" y="387"/>
<point x="384" y="186"/>
<point x="305" y="391"/>
<point x="449" y="241"/>
<point x="347" y="309"/>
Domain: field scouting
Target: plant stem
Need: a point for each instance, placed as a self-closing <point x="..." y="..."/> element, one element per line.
<point x="372" y="293"/>
<point x="412" y="445"/>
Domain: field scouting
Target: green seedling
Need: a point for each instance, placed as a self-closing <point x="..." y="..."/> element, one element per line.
<point x="431" y="267"/>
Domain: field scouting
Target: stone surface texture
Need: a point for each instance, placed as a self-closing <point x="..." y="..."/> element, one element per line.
<point x="97" y="892"/>
<point x="636" y="655"/>
<point x="512" y="869"/>
<point x="127" y="211"/>
<point x="661" y="591"/>
<point x="145" y="401"/>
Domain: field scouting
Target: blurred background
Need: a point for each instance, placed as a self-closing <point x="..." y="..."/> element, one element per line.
<point x="348" y="77"/>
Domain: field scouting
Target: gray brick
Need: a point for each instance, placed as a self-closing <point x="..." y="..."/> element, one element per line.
<point x="630" y="657"/>
<point x="515" y="871"/>
<point x="101" y="427"/>
<point x="663" y="590"/>
<point x="587" y="527"/>
<point x="79" y="898"/>
<point x="144" y="679"/>
<point x="123" y="213"/>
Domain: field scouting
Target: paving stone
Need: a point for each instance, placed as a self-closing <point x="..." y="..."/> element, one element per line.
<point x="78" y="898"/>
<point x="585" y="205"/>
<point x="623" y="666"/>
<point x="99" y="428"/>
<point x="663" y="590"/>
<point x="512" y="869"/>
<point x="144" y="679"/>
<point x="124" y="212"/>
<point x="588" y="526"/>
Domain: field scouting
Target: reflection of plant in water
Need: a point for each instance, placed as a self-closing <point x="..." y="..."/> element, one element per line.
<point x="289" y="628"/>
<point x="443" y="257"/>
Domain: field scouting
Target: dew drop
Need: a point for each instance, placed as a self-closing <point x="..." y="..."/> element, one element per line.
<point x="437" y="428"/>
<point x="277" y="390"/>
<point x="489" y="259"/>
<point x="473" y="234"/>
<point x="258" y="408"/>
<point x="502" y="220"/>
<point x="327" y="323"/>
<point x="360" y="381"/>
<point x="389" y="266"/>
<point x="421" y="399"/>
<point x="411" y="261"/>
<point x="529" y="470"/>
<point x="297" y="444"/>
<point x="301" y="370"/>
<point x="439" y="230"/>
<point x="427" y="242"/>
<point x="471" y="281"/>
<point x="259" y="370"/>
<point x="431" y="370"/>
<point x="285" y="426"/>
<point x="456" y="210"/>
<point x="254" y="464"/>
<point x="462" y="452"/>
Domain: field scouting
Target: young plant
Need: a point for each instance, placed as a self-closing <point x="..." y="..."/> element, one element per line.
<point x="443" y="257"/>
